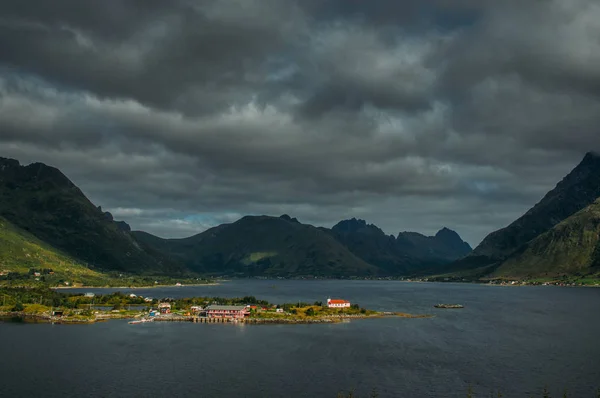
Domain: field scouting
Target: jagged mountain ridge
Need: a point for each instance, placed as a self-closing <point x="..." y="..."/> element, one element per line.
<point x="282" y="246"/>
<point x="408" y="253"/>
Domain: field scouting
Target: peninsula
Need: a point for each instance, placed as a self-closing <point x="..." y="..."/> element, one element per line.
<point x="46" y="305"/>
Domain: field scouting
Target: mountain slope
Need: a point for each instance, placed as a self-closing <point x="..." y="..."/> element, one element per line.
<point x="44" y="202"/>
<point x="570" y="248"/>
<point x="578" y="189"/>
<point x="263" y="245"/>
<point x="21" y="252"/>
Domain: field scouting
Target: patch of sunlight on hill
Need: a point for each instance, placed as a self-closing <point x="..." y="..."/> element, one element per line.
<point x="257" y="256"/>
<point x="21" y="251"/>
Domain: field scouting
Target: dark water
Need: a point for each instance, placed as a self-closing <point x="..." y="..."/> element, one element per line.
<point x="517" y="339"/>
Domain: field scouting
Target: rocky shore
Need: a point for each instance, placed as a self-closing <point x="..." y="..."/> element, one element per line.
<point x="46" y="318"/>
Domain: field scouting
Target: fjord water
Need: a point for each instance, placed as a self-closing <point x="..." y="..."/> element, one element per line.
<point x="515" y="339"/>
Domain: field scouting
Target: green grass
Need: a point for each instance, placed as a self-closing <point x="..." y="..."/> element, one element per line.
<point x="257" y="256"/>
<point x="21" y="252"/>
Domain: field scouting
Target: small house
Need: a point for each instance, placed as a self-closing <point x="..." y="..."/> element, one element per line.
<point x="337" y="303"/>
<point x="89" y="294"/>
<point x="164" y="308"/>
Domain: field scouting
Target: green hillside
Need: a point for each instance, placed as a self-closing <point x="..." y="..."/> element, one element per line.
<point x="21" y="252"/>
<point x="571" y="248"/>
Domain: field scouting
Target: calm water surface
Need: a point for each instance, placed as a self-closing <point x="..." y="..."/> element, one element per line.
<point x="517" y="339"/>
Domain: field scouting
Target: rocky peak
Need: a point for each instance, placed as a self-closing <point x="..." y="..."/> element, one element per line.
<point x="288" y="218"/>
<point x="6" y="163"/>
<point x="451" y="238"/>
<point x="356" y="225"/>
<point x="15" y="175"/>
<point x="123" y="226"/>
<point x="448" y="235"/>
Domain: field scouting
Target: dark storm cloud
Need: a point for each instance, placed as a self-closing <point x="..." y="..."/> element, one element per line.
<point x="178" y="115"/>
<point x="165" y="54"/>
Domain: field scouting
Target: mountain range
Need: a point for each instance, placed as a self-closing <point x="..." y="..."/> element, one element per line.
<point x="41" y="201"/>
<point x="40" y="206"/>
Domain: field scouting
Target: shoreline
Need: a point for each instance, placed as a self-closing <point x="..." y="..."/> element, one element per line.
<point x="132" y="287"/>
<point x="45" y="318"/>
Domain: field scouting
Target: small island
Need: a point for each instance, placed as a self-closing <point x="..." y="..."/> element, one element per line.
<point x="449" y="306"/>
<point x="46" y="305"/>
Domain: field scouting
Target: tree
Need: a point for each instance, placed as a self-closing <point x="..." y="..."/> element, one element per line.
<point x="310" y="312"/>
<point x="18" y="306"/>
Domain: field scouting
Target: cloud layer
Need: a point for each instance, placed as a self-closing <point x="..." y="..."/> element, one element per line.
<point x="184" y="114"/>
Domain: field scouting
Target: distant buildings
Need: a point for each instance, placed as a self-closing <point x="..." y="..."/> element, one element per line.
<point x="164" y="308"/>
<point x="336" y="303"/>
<point x="227" y="311"/>
<point x="89" y="294"/>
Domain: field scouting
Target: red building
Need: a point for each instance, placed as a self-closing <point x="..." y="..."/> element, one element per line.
<point x="338" y="303"/>
<point x="227" y="311"/>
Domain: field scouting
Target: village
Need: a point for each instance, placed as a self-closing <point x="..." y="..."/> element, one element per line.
<point x="252" y="312"/>
<point x="47" y="305"/>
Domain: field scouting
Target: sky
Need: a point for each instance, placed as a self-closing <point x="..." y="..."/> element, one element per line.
<point x="180" y="115"/>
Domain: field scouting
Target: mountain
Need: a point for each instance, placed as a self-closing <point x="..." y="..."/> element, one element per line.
<point x="409" y="253"/>
<point x="572" y="247"/>
<point x="446" y="245"/>
<point x="263" y="245"/>
<point x="49" y="209"/>
<point x="577" y="190"/>
<point x="42" y="201"/>
<point x="371" y="244"/>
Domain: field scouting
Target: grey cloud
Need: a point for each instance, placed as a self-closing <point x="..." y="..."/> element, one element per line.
<point x="184" y="114"/>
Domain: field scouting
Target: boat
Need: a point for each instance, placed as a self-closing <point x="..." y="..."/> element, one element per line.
<point x="449" y="306"/>
<point x="143" y="320"/>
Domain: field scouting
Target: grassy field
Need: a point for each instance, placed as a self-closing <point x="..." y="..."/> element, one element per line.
<point x="21" y="252"/>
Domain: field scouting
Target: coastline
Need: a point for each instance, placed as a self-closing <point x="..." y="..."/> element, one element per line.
<point x="132" y="287"/>
<point x="46" y="318"/>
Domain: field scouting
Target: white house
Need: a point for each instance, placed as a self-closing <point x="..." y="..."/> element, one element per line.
<point x="336" y="303"/>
